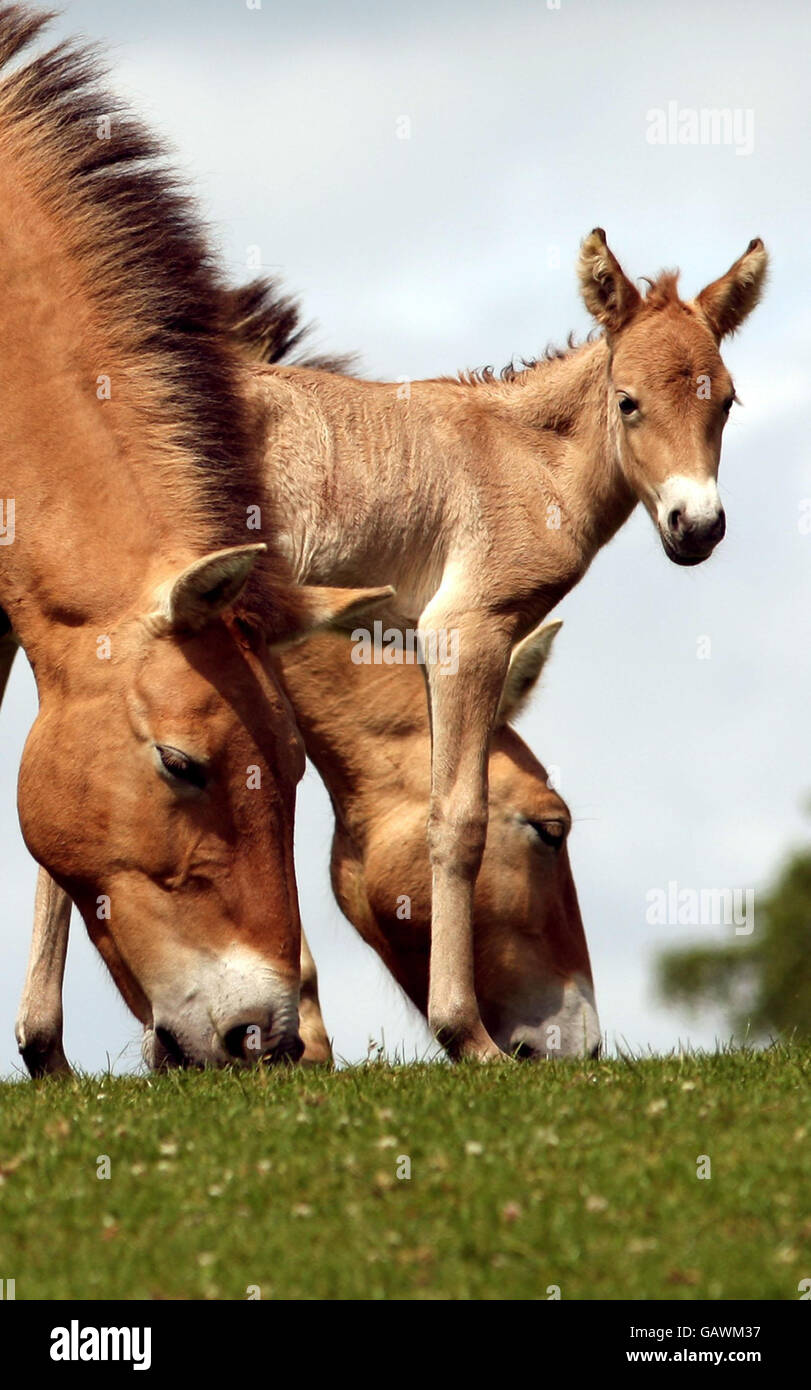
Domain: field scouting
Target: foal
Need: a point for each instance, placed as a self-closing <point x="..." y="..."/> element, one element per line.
<point x="484" y="501"/>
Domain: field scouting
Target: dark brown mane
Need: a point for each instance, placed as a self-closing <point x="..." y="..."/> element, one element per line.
<point x="149" y="269"/>
<point x="268" y="324"/>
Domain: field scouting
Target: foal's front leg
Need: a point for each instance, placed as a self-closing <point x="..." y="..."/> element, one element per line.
<point x="39" y="1019"/>
<point x="463" y="706"/>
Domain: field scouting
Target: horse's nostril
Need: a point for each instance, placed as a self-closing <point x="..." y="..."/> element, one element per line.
<point x="674" y="519"/>
<point x="719" y="526"/>
<point x="237" y="1041"/>
<point x="170" y="1045"/>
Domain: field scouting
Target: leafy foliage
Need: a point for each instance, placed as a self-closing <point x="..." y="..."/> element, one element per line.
<point x="763" y="985"/>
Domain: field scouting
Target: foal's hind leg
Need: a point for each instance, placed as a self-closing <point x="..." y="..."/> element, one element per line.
<point x="463" y="706"/>
<point x="39" y="1019"/>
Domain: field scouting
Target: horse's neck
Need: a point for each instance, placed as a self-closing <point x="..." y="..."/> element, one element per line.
<point x="360" y="726"/>
<point x="565" y="403"/>
<point x="91" y="520"/>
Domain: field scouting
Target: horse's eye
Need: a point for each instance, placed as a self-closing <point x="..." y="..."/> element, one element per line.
<point x="728" y="404"/>
<point x="627" y="405"/>
<point x="180" y="766"/>
<point x="552" y="832"/>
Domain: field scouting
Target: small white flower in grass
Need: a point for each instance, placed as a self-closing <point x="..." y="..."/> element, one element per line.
<point x="546" y="1135"/>
<point x="473" y="1148"/>
<point x="206" y="1258"/>
<point x="641" y="1246"/>
<point x="168" y="1148"/>
<point x="656" y="1107"/>
<point x="387" y="1142"/>
<point x="786" y="1254"/>
<point x="215" y="1190"/>
<point x="302" y="1209"/>
<point x="688" y="1085"/>
<point x="596" y="1203"/>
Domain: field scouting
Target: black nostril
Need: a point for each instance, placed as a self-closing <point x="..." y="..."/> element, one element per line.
<point x="170" y="1044"/>
<point x="674" y="519"/>
<point x="237" y="1041"/>
<point x="719" y="526"/>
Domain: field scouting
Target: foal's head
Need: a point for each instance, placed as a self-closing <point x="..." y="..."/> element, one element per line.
<point x="670" y="393"/>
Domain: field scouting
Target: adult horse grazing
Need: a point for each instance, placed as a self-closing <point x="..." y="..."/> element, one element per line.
<point x="483" y="501"/>
<point x="367" y="735"/>
<point x="125" y="575"/>
<point x="366" y="732"/>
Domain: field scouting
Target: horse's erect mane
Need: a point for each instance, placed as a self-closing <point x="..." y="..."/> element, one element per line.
<point x="661" y="292"/>
<point x="487" y="376"/>
<point x="267" y="323"/>
<point x="141" y="254"/>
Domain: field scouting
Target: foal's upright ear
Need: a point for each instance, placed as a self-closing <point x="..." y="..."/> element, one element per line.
<point x="205" y="589"/>
<point x="607" y="292"/>
<point x="726" y="302"/>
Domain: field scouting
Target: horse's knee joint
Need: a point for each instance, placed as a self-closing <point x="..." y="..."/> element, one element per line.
<point x="456" y="838"/>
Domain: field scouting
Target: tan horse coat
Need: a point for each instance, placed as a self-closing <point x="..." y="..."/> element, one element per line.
<point x="484" y="501"/>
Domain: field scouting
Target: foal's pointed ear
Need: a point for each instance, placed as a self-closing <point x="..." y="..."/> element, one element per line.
<point x="607" y="292"/>
<point x="528" y="659"/>
<point x="318" y="609"/>
<point x="727" y="302"/>
<point x="206" y="588"/>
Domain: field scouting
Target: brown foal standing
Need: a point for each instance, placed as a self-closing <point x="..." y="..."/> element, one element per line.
<point x="483" y="501"/>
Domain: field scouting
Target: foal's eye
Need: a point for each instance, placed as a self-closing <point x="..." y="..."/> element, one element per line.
<point x="180" y="766"/>
<point x="728" y="404"/>
<point x="552" y="832"/>
<point x="627" y="405"/>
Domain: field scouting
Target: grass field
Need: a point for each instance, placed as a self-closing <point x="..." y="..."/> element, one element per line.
<point x="576" y="1175"/>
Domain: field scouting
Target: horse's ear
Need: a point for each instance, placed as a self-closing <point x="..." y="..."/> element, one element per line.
<point x="526" y="663"/>
<point x="607" y="292"/>
<point x="205" y="589"/>
<point x="318" y="609"/>
<point x="727" y="302"/>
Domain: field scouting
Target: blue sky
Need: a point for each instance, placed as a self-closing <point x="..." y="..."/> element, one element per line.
<point x="455" y="247"/>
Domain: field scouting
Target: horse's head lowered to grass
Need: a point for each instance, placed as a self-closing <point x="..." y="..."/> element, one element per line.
<point x="158" y="787"/>
<point x="670" y="393"/>
<point x="158" y="782"/>
<point x="367" y="734"/>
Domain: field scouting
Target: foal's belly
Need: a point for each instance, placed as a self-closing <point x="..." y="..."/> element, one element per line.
<point x="325" y="555"/>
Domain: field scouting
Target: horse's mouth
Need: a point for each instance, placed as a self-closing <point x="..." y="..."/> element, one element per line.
<point x="684" y="557"/>
<point x="166" y="1053"/>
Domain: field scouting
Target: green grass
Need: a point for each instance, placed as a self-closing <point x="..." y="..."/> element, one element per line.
<point x="581" y="1175"/>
